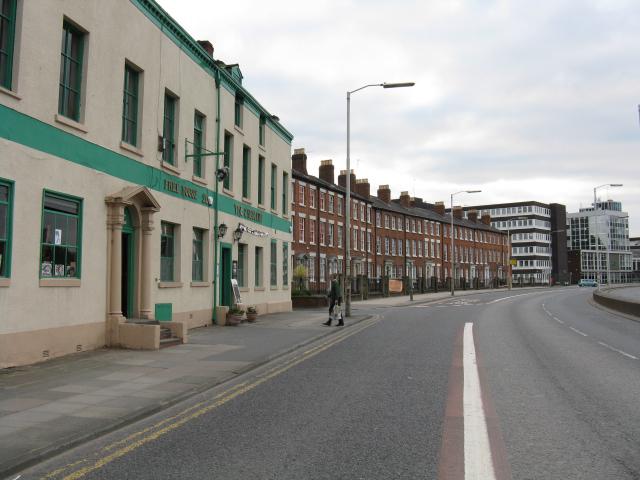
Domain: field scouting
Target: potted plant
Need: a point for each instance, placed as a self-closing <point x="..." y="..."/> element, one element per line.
<point x="234" y="316"/>
<point x="252" y="314"/>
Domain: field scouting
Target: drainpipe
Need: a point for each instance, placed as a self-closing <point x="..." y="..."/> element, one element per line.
<point x="216" y="239"/>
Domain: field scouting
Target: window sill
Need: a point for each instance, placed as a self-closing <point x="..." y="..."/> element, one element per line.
<point x="274" y="211"/>
<point x="10" y="93"/>
<point x="273" y="287"/>
<point x="169" y="284"/>
<point x="5" y="282"/>
<point x="227" y="192"/>
<point x="247" y="201"/>
<point x="238" y="129"/>
<point x="170" y="168"/>
<point x="59" y="282"/>
<point x="199" y="180"/>
<point x="200" y="284"/>
<point x="71" y="123"/>
<point x="131" y="148"/>
<point x="244" y="289"/>
<point x="258" y="289"/>
<point x="286" y="287"/>
<point x="262" y="147"/>
<point x="261" y="206"/>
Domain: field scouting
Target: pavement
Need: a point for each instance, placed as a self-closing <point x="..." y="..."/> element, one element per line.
<point x="630" y="293"/>
<point x="50" y="407"/>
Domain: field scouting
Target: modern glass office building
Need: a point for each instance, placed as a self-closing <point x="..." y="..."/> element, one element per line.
<point x="598" y="242"/>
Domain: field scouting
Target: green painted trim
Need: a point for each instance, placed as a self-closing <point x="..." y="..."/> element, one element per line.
<point x="9" y="232"/>
<point x="30" y="132"/>
<point x="167" y="25"/>
<point x="226" y="246"/>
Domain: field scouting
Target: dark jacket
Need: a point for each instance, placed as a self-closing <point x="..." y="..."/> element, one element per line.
<point x="334" y="292"/>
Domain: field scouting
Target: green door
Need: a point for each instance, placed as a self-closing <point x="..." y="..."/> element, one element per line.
<point x="225" y="275"/>
<point x="128" y="265"/>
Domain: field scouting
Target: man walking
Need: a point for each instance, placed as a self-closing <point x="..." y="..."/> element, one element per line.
<point x="334" y="298"/>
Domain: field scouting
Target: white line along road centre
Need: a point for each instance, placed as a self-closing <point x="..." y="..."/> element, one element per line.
<point x="477" y="449"/>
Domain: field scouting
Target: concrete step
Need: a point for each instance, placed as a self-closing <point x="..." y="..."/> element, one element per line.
<point x="170" y="342"/>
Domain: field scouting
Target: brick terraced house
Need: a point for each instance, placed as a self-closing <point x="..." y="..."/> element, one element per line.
<point x="390" y="238"/>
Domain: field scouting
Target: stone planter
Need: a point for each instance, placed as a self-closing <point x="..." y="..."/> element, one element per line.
<point x="252" y="317"/>
<point x="233" y="319"/>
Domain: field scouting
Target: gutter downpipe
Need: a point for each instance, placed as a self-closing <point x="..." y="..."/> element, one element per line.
<point x="216" y="239"/>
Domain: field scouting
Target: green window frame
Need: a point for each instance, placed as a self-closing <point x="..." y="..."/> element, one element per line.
<point x="61" y="240"/>
<point x="228" y="160"/>
<point x="6" y="222"/>
<point x="130" y="105"/>
<point x="262" y="130"/>
<point x="285" y="264"/>
<point x="167" y="252"/>
<point x="274" y="176"/>
<point x="261" y="161"/>
<point x="246" y="172"/>
<point x="241" y="272"/>
<point x="285" y="193"/>
<point x="258" y="266"/>
<point x="197" y="259"/>
<point x="238" y="105"/>
<point x="168" y="129"/>
<point x="274" y="263"/>
<point x="198" y="143"/>
<point x="71" y="72"/>
<point x="7" y="41"/>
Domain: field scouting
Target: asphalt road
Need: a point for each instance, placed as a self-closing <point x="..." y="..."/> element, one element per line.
<point x="560" y="383"/>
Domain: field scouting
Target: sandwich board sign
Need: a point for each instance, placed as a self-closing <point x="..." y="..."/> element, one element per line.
<point x="236" y="291"/>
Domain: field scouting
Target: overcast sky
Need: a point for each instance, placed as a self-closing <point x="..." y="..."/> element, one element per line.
<point x="523" y="100"/>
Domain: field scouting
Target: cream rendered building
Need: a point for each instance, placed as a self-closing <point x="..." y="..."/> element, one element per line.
<point x="106" y="215"/>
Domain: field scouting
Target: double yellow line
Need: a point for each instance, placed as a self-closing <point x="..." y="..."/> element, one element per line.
<point x="150" y="434"/>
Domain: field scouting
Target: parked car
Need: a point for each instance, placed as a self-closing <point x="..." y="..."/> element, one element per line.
<point x="587" y="282"/>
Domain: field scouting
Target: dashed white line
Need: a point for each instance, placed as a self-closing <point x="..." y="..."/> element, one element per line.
<point x="628" y="355"/>
<point x="558" y="320"/>
<point x="578" y="332"/>
<point x="478" y="462"/>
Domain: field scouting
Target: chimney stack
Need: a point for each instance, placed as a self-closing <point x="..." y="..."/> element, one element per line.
<point x="342" y="180"/>
<point x="206" y="44"/>
<point x="486" y="219"/>
<point x="439" y="208"/>
<point x="325" y="172"/>
<point x="299" y="160"/>
<point x="405" y="199"/>
<point x="363" y="188"/>
<point x="415" y="201"/>
<point x="457" y="212"/>
<point x="472" y="215"/>
<point x="384" y="193"/>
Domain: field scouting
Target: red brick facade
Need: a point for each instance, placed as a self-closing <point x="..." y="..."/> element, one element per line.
<point x="388" y="237"/>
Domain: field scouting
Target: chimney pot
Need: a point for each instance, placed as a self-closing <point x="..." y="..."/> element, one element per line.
<point x="299" y="160"/>
<point x="384" y="193"/>
<point x="326" y="171"/>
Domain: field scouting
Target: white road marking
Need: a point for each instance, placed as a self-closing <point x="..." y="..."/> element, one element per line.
<point x="578" y="331"/>
<point x="558" y="320"/>
<point x="507" y="298"/>
<point x="477" y="449"/>
<point x="618" y="351"/>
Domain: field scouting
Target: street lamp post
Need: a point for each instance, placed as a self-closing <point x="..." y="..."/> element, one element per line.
<point x="347" y="283"/>
<point x="453" y="253"/>
<point x="597" y="263"/>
